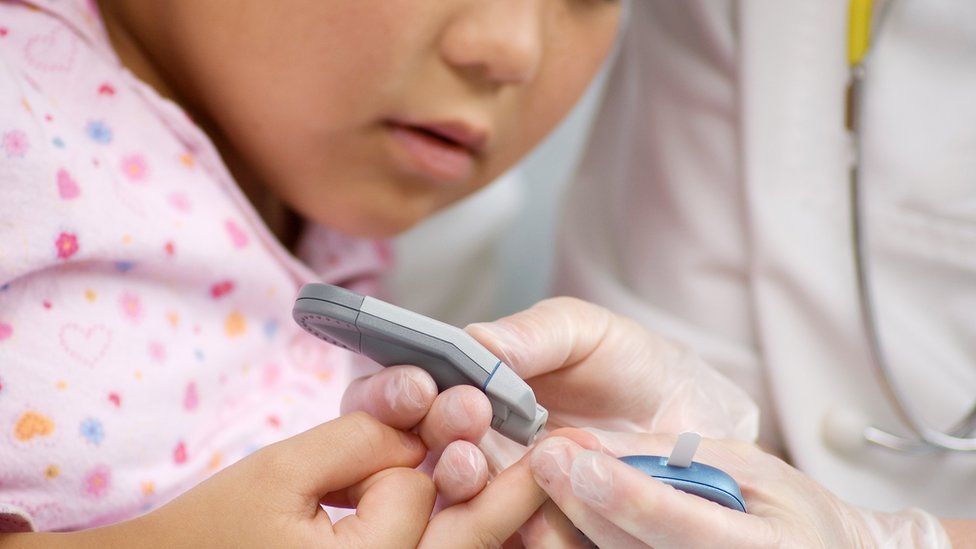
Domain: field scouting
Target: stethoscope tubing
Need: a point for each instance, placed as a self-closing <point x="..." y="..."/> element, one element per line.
<point x="957" y="439"/>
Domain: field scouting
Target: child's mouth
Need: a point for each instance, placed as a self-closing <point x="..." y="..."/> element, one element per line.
<point x="442" y="152"/>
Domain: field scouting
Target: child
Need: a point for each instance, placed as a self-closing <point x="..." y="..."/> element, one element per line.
<point x="160" y="164"/>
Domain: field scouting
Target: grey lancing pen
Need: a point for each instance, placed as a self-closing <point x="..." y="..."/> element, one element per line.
<point x="391" y="336"/>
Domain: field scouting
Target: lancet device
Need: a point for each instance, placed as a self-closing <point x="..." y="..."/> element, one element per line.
<point x="392" y="336"/>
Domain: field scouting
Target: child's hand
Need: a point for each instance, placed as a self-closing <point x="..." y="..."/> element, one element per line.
<point x="271" y="498"/>
<point x="450" y="424"/>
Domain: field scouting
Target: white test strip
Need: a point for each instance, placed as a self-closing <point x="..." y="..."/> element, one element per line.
<point x="684" y="450"/>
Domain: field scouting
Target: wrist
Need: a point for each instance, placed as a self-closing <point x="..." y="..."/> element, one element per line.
<point x="139" y="531"/>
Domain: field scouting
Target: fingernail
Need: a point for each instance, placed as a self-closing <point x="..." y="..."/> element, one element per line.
<point x="592" y="481"/>
<point x="457" y="418"/>
<point x="550" y="460"/>
<point x="607" y="446"/>
<point x="404" y="393"/>
<point x="463" y="466"/>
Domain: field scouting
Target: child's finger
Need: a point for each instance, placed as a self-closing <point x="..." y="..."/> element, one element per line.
<point x="459" y="413"/>
<point x="461" y="473"/>
<point x="338" y="454"/>
<point x="392" y="509"/>
<point x="549" y="527"/>
<point x="492" y="516"/>
<point x="399" y="396"/>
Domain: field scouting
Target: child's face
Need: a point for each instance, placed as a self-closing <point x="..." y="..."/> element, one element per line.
<point x="368" y="115"/>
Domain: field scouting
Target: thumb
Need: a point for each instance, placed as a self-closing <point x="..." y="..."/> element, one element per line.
<point x="341" y="453"/>
<point x="552" y="334"/>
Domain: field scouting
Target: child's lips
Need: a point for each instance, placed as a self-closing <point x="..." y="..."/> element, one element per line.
<point x="443" y="152"/>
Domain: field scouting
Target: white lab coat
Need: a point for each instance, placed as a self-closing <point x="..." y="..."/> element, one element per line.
<point x="712" y="206"/>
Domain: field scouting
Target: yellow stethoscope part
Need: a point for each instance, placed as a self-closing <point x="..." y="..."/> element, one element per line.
<point x="859" y="30"/>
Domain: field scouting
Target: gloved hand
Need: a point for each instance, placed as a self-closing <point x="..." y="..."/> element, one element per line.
<point x="616" y="505"/>
<point x="588" y="366"/>
<point x="594" y="368"/>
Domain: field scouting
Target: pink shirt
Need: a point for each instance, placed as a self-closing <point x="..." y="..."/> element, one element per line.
<point x="145" y="330"/>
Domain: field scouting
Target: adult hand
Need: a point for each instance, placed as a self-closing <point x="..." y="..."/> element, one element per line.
<point x="588" y="366"/>
<point x="593" y="368"/>
<point x="618" y="506"/>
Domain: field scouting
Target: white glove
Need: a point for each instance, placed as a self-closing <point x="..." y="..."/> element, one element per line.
<point x="616" y="505"/>
<point x="592" y="368"/>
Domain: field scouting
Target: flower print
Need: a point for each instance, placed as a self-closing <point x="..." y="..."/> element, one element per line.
<point x="6" y="330"/>
<point x="97" y="481"/>
<point x="52" y="471"/>
<point x="179" y="454"/>
<point x="91" y="430"/>
<point x="157" y="351"/>
<point x="131" y="306"/>
<point x="191" y="397"/>
<point x="270" y="328"/>
<point x="15" y="144"/>
<point x="222" y="288"/>
<point x="235" y="324"/>
<point x="180" y="202"/>
<point x="66" y="245"/>
<point x="270" y="375"/>
<point x="237" y="235"/>
<point x="99" y="132"/>
<point x="135" y="168"/>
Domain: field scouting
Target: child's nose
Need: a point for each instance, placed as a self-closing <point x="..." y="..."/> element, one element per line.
<point x="497" y="40"/>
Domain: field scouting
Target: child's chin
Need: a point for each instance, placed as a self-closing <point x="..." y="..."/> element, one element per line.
<point x="376" y="226"/>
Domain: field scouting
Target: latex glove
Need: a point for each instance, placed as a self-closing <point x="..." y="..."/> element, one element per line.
<point x="588" y="366"/>
<point x="619" y="506"/>
<point x="593" y="368"/>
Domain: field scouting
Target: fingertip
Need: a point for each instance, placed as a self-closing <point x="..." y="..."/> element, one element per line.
<point x="399" y="396"/>
<point x="408" y="390"/>
<point x="461" y="473"/>
<point x="459" y="413"/>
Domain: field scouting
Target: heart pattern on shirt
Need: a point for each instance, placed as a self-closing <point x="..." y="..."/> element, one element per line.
<point x="33" y="424"/>
<point x="53" y="52"/>
<point x="88" y="344"/>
